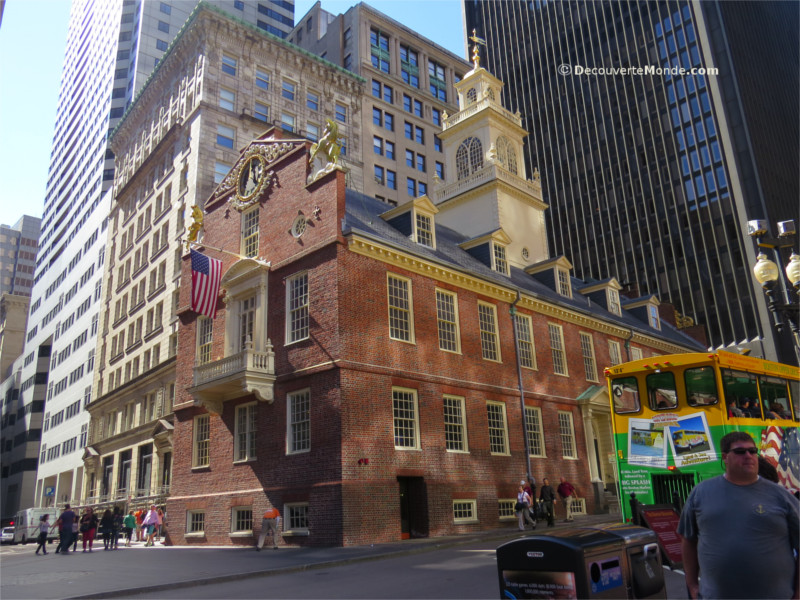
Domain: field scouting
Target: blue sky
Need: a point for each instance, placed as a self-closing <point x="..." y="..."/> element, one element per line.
<point x="37" y="30"/>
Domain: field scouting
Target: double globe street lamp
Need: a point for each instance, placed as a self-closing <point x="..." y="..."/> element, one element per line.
<point x="784" y="304"/>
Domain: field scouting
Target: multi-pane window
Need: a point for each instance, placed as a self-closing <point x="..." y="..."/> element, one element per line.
<point x="299" y="421"/>
<point x="533" y="430"/>
<point x="245" y="432"/>
<point x="380" y="175"/>
<point x="225" y="136"/>
<point x="204" y="337"/>
<point x="587" y="351"/>
<point x="567" y="433"/>
<point x="200" y="441"/>
<point x="440" y="170"/>
<point x="464" y="510"/>
<point x="250" y="232"/>
<point x="340" y="113"/>
<point x="499" y="255"/>
<point x="195" y="521"/>
<point x="379" y="50"/>
<point x="262" y="79"/>
<point x="409" y="66"/>
<point x="288" y="89"/>
<point x="636" y="353"/>
<point x="436" y="116"/>
<point x="297" y="307"/>
<point x="297" y="517"/>
<point x="261" y="111"/>
<point x="241" y="520"/>
<point x="288" y="122"/>
<point x="614" y="352"/>
<point x="487" y="321"/>
<point x="312" y="100"/>
<point x="228" y="65"/>
<point x="424" y="230"/>
<point x="455" y="427"/>
<point x="557" y="349"/>
<point x="404" y="412"/>
<point x="525" y="347"/>
<point x="401" y="326"/>
<point x="391" y="176"/>
<point x="227" y="99"/>
<point x="436" y="78"/>
<point x="563" y="283"/>
<point x="220" y="170"/>
<point x="312" y="132"/>
<point x="447" y="321"/>
<point x="652" y="313"/>
<point x="613" y="301"/>
<point x="418" y="108"/>
<point x="437" y="143"/>
<point x="498" y="434"/>
<point x="247" y="318"/>
<point x="469" y="157"/>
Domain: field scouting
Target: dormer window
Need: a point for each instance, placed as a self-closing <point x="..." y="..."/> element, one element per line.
<point x="563" y="284"/>
<point x="652" y="314"/>
<point x="613" y="301"/>
<point x="499" y="262"/>
<point x="424" y="230"/>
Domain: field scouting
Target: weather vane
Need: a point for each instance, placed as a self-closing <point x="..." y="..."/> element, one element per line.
<point x="475" y="56"/>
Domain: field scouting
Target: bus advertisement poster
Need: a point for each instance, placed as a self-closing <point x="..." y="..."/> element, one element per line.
<point x="646" y="444"/>
<point x="691" y="441"/>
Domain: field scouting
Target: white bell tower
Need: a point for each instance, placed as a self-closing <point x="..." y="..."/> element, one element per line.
<point x="486" y="187"/>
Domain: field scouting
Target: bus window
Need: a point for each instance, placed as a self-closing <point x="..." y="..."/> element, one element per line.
<point x="794" y="387"/>
<point x="626" y="395"/>
<point x="701" y="386"/>
<point x="774" y="397"/>
<point x="661" y="390"/>
<point x="742" y="388"/>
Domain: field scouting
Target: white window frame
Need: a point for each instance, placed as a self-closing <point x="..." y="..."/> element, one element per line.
<point x="250" y="234"/>
<point x="442" y="320"/>
<point x="536" y="445"/>
<point x="289" y="518"/>
<point x="490" y="338"/>
<point x="556" y="335"/>
<point x="505" y="509"/>
<point x="614" y="353"/>
<point x="502" y="413"/>
<point x="396" y="311"/>
<point x="526" y="347"/>
<point x="293" y="425"/>
<point x="652" y="316"/>
<point x="205" y="338"/>
<point x="425" y="234"/>
<point x="198" y="443"/>
<point x="612" y="297"/>
<point x="235" y="510"/>
<point x="461" y="504"/>
<point x="297" y="319"/>
<point x="404" y="420"/>
<point x="189" y="523"/>
<point x="563" y="283"/>
<point x="499" y="258"/>
<point x="587" y="352"/>
<point x="245" y="436"/>
<point x="455" y="422"/>
<point x="566" y="432"/>
<point x="636" y="353"/>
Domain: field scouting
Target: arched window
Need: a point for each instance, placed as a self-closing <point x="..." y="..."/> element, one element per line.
<point x="469" y="157"/>
<point x="472" y="95"/>
<point x="506" y="154"/>
<point x="490" y="94"/>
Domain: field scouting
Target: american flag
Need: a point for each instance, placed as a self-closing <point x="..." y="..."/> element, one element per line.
<point x="782" y="449"/>
<point x="206" y="275"/>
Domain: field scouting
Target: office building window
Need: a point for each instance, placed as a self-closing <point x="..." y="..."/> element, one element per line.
<point x="409" y="66"/>
<point x="312" y="131"/>
<point x="380" y="176"/>
<point x="589" y="363"/>
<point x="261" y="111"/>
<point x="487" y="321"/>
<point x="455" y="426"/>
<point x="437" y="143"/>
<point x="262" y="80"/>
<point x="411" y="187"/>
<point x="312" y="100"/>
<point x="225" y="136"/>
<point x="391" y="176"/>
<point x="436" y="115"/>
<point x="227" y="99"/>
<point x="436" y="78"/>
<point x="379" y="50"/>
<point x="288" y="123"/>
<point x="288" y="90"/>
<point x="498" y="434"/>
<point x="406" y="424"/>
<point x="341" y="113"/>
<point x="228" y="65"/>
<point x="161" y="45"/>
<point x="220" y="171"/>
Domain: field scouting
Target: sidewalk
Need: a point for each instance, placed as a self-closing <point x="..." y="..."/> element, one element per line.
<point x="122" y="572"/>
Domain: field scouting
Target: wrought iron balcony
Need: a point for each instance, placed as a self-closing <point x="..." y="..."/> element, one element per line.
<point x="247" y="372"/>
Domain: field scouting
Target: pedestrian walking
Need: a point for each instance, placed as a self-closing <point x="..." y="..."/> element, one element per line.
<point x="270" y="522"/>
<point x="106" y="527"/>
<point x="129" y="523"/>
<point x="567" y="493"/>
<point x="116" y="527"/>
<point x="149" y="523"/>
<point x="161" y="523"/>
<point x="523" y="507"/>
<point x="88" y="527"/>
<point x="548" y="497"/>
<point x="41" y="539"/>
<point x="65" y="539"/>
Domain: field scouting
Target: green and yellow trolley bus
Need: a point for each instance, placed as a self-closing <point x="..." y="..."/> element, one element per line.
<point x="669" y="413"/>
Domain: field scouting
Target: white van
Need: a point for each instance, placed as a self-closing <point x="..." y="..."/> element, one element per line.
<point x="26" y="524"/>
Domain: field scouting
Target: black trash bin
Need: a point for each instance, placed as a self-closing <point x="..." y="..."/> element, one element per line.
<point x="586" y="562"/>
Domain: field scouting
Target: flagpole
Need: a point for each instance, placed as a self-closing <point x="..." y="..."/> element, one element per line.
<point x="203" y="245"/>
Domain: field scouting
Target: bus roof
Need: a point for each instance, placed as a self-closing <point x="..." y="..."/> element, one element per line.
<point x="722" y="358"/>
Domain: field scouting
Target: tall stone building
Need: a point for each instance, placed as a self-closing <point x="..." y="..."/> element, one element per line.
<point x="410" y="81"/>
<point x="381" y="373"/>
<point x="18" y="246"/>
<point x="222" y="83"/>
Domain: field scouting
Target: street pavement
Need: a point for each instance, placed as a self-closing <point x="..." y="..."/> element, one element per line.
<point x="128" y="571"/>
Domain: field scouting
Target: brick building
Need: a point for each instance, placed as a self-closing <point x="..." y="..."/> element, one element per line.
<point x="364" y="369"/>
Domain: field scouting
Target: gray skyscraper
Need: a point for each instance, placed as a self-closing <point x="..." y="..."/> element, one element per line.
<point x="651" y="175"/>
<point x="112" y="48"/>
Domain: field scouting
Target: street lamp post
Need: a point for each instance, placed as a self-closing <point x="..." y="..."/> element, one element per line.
<point x="782" y="298"/>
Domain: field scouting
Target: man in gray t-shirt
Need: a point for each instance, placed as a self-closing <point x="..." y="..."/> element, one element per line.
<point x="739" y="532"/>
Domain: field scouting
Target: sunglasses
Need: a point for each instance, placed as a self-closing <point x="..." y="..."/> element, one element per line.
<point x="743" y="451"/>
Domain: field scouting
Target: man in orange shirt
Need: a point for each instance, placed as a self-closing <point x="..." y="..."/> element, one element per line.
<point x="270" y="522"/>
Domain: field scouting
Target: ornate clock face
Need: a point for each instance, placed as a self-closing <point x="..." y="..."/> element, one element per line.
<point x="250" y="177"/>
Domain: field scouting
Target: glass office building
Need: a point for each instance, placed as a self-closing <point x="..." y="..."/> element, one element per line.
<point x="660" y="129"/>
